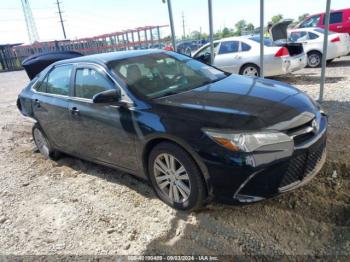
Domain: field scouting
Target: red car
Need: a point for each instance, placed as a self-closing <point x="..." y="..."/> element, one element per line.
<point x="339" y="21"/>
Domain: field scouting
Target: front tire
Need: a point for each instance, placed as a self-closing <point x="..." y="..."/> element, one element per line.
<point x="314" y="59"/>
<point x="43" y="144"/>
<point x="175" y="177"/>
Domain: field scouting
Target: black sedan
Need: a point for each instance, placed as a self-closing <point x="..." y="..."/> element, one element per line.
<point x="195" y="132"/>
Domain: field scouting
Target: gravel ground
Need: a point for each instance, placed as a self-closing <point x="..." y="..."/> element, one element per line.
<point x="72" y="206"/>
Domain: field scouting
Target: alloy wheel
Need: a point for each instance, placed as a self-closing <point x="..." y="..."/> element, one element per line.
<point x="172" y="178"/>
<point x="250" y="71"/>
<point x="314" y="60"/>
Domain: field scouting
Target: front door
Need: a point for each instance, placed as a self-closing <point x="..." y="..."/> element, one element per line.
<point x="101" y="131"/>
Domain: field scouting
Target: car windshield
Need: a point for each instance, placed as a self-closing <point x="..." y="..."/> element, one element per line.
<point x="322" y="31"/>
<point x="267" y="41"/>
<point x="161" y="74"/>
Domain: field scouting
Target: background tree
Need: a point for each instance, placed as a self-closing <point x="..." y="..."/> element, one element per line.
<point x="240" y="26"/>
<point x="276" y="18"/>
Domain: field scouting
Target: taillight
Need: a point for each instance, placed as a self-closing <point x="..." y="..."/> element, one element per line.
<point x="283" y="51"/>
<point x="337" y="39"/>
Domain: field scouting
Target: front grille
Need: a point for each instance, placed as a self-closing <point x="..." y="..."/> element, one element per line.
<point x="295" y="171"/>
<point x="314" y="157"/>
<point x="303" y="164"/>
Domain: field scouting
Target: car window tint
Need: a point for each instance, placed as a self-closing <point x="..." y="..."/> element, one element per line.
<point x="245" y="47"/>
<point x="227" y="47"/>
<point x="311" y="22"/>
<point x="89" y="82"/>
<point x="313" y="36"/>
<point x="335" y="18"/>
<point x="58" y="80"/>
<point x="299" y="36"/>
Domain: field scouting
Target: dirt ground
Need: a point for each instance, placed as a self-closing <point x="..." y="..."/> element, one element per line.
<point x="72" y="206"/>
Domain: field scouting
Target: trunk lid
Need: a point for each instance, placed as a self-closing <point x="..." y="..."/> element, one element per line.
<point x="279" y="30"/>
<point x="279" y="35"/>
<point x="34" y="64"/>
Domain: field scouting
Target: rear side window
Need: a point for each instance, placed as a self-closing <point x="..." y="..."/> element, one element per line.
<point x="313" y="36"/>
<point x="335" y="18"/>
<point x="227" y="47"/>
<point x="89" y="82"/>
<point x="245" y="47"/>
<point x="58" y="80"/>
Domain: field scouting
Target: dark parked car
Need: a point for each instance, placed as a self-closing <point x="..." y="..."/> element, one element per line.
<point x="194" y="131"/>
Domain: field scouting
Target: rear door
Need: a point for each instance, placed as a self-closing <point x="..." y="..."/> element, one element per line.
<point x="50" y="105"/>
<point x="228" y="57"/>
<point x="100" y="131"/>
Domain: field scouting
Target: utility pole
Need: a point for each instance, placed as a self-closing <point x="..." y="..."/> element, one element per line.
<point x="325" y="48"/>
<point x="61" y="19"/>
<point x="170" y="11"/>
<point x="183" y="25"/>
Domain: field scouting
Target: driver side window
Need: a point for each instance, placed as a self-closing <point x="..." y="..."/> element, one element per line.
<point x="89" y="82"/>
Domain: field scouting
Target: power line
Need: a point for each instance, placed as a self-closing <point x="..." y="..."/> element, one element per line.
<point x="61" y="19"/>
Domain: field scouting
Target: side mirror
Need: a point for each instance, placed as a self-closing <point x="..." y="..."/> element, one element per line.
<point x="112" y="95"/>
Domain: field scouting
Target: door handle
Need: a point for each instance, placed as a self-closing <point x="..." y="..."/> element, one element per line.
<point x="339" y="26"/>
<point x="74" y="111"/>
<point x="238" y="57"/>
<point x="37" y="102"/>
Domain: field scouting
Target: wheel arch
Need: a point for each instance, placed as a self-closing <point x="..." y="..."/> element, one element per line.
<point x="152" y="142"/>
<point x="314" y="51"/>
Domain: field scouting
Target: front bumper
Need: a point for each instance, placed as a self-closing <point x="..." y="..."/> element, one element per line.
<point x="286" y="176"/>
<point x="242" y="183"/>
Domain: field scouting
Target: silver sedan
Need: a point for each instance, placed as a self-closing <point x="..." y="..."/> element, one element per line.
<point x="241" y="55"/>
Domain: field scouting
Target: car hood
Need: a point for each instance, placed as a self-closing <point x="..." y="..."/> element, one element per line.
<point x="241" y="103"/>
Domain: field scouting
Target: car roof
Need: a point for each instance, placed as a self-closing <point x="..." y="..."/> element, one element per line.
<point x="105" y="58"/>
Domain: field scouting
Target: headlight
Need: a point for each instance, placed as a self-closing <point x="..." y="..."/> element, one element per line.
<point x="246" y="141"/>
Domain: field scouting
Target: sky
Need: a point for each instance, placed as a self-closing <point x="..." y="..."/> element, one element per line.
<point x="84" y="18"/>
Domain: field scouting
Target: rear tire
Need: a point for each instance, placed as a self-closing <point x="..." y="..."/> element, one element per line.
<point x="175" y="177"/>
<point x="250" y="70"/>
<point x="43" y="144"/>
<point x="314" y="59"/>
